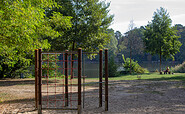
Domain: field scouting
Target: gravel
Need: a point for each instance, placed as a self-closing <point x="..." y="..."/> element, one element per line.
<point x="125" y="97"/>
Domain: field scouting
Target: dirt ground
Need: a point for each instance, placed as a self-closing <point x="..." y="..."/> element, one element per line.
<point x="125" y="97"/>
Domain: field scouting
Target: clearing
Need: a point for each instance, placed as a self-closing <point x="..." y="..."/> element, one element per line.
<point x="125" y="96"/>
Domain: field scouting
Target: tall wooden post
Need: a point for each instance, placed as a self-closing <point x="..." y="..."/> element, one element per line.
<point x="40" y="82"/>
<point x="66" y="78"/>
<point x="100" y="76"/>
<point x="106" y="79"/>
<point x="79" y="78"/>
<point x="36" y="78"/>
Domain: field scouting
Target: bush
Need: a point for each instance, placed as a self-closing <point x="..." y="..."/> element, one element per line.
<point x="135" y="67"/>
<point x="179" y="68"/>
<point x="112" y="68"/>
<point x="142" y="70"/>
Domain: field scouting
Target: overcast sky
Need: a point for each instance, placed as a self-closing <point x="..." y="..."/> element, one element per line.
<point x="141" y="11"/>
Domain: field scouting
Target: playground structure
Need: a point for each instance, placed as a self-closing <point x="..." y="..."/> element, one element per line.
<point x="58" y="87"/>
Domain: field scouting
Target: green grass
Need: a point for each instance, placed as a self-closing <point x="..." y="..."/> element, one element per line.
<point x="148" y="76"/>
<point x="152" y="76"/>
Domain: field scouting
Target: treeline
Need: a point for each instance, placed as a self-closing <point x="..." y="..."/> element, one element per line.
<point x="52" y="25"/>
<point x="121" y="45"/>
<point x="55" y="25"/>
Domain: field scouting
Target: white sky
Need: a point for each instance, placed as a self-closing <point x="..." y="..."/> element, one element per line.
<point x="141" y="11"/>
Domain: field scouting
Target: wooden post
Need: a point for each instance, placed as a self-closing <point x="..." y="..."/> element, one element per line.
<point x="40" y="82"/>
<point x="100" y="76"/>
<point x="79" y="78"/>
<point x="66" y="78"/>
<point x="106" y="79"/>
<point x="36" y="78"/>
<point x="83" y="80"/>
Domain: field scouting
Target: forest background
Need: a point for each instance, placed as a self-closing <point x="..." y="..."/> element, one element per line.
<point x="66" y="25"/>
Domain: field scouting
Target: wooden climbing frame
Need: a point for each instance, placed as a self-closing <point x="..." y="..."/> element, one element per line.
<point x="57" y="87"/>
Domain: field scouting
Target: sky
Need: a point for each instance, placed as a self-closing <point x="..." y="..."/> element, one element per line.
<point x="141" y="12"/>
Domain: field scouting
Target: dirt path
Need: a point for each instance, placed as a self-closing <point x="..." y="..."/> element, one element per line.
<point x="129" y="97"/>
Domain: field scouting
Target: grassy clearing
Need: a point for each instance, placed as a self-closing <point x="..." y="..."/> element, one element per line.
<point x="24" y="84"/>
<point x="152" y="76"/>
<point x="147" y="76"/>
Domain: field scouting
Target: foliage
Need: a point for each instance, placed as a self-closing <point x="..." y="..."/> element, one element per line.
<point x="23" y="28"/>
<point x="112" y="68"/>
<point x="135" y="67"/>
<point x="138" y="47"/>
<point x="133" y="36"/>
<point x="181" y="32"/>
<point x="118" y="35"/>
<point x="49" y="66"/>
<point x="179" y="68"/>
<point x="159" y="37"/>
<point x="112" y="46"/>
<point x="90" y="23"/>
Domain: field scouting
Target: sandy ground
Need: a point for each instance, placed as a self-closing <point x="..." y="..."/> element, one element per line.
<point x="125" y="97"/>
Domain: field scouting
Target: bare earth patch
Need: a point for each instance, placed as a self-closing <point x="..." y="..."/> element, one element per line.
<point x="129" y="97"/>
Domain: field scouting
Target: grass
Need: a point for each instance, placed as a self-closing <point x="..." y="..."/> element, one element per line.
<point x="7" y="97"/>
<point x="147" y="76"/>
<point x="152" y="76"/>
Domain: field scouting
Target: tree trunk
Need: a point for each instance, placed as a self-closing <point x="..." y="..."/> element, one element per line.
<point x="1" y="75"/>
<point x="73" y="48"/>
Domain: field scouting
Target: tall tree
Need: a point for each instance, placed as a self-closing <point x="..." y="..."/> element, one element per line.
<point x="160" y="37"/>
<point x="112" y="46"/>
<point x="181" y="32"/>
<point x="136" y="41"/>
<point x="118" y="35"/>
<point x="91" y="20"/>
<point x="131" y="37"/>
<point x="23" y="27"/>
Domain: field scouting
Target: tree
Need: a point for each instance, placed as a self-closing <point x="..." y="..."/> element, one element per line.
<point x="121" y="44"/>
<point x="181" y="32"/>
<point x="131" y="37"/>
<point x="90" y="23"/>
<point x="112" y="67"/>
<point x="112" y="46"/>
<point x="23" y="26"/>
<point x="160" y="37"/>
<point x="118" y="35"/>
<point x="135" y="41"/>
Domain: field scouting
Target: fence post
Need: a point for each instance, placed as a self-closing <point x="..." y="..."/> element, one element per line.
<point x="100" y="77"/>
<point x="79" y="78"/>
<point x="106" y="79"/>
<point x="39" y="82"/>
<point x="66" y="78"/>
<point x="36" y="78"/>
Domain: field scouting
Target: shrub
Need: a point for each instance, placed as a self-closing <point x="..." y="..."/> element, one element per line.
<point x="112" y="68"/>
<point x="179" y="68"/>
<point x="135" y="67"/>
<point x="142" y="70"/>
